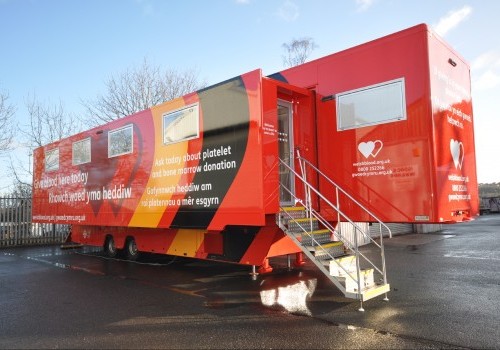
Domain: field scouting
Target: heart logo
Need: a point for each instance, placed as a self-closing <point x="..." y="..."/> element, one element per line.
<point x="457" y="153"/>
<point x="370" y="148"/>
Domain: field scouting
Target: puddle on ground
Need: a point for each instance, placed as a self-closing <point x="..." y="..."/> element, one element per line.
<point x="282" y="292"/>
<point x="292" y="298"/>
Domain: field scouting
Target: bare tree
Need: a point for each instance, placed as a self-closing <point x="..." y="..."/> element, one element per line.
<point x="47" y="123"/>
<point x="137" y="89"/>
<point x="21" y="190"/>
<point x="6" y="114"/>
<point x="297" y="51"/>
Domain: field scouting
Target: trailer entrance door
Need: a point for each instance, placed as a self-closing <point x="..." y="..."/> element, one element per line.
<point x="285" y="145"/>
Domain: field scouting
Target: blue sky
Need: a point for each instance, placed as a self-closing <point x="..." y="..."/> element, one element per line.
<point x="64" y="50"/>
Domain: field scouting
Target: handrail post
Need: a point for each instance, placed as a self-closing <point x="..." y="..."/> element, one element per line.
<point x="339" y="225"/>
<point x="358" y="267"/>
<point x="302" y="171"/>
<point x="307" y="191"/>
<point x="382" y="255"/>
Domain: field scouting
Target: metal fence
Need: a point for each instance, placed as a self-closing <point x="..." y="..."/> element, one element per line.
<point x="17" y="229"/>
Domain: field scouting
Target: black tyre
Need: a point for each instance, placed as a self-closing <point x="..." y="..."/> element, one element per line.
<point x="110" y="247"/>
<point x="131" y="251"/>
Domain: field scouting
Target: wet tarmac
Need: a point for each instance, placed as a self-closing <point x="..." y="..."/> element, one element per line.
<point x="445" y="294"/>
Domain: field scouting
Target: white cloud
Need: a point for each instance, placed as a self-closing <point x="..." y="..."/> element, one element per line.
<point x="288" y="11"/>
<point x="243" y="2"/>
<point x="452" y="19"/>
<point x="487" y="80"/>
<point x="487" y="68"/>
<point x="486" y="60"/>
<point x="364" y="5"/>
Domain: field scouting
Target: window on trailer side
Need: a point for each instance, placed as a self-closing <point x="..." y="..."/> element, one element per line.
<point x="121" y="141"/>
<point x="371" y="105"/>
<point x="181" y="125"/>
<point x="81" y="152"/>
<point x="52" y="160"/>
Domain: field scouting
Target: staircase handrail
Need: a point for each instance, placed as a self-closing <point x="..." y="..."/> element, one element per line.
<point x="308" y="206"/>
<point x="333" y="230"/>
<point x="333" y="183"/>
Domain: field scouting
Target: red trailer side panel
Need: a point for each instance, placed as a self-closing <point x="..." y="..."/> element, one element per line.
<point x="194" y="162"/>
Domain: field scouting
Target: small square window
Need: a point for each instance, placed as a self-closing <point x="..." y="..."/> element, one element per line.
<point x="81" y="152"/>
<point x="121" y="141"/>
<point x="52" y="160"/>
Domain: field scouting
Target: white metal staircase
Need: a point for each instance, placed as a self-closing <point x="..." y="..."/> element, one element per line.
<point x="358" y="274"/>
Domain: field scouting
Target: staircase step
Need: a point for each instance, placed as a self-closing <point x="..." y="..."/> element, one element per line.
<point x="343" y="265"/>
<point x="319" y="236"/>
<point x="366" y="277"/>
<point x="325" y="251"/>
<point x="297" y="208"/>
<point x="302" y="224"/>
<point x="292" y="212"/>
<point x="375" y="291"/>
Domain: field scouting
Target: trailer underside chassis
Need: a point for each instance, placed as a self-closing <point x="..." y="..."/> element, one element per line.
<point x="246" y="245"/>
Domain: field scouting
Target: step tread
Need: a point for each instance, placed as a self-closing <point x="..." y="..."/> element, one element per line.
<point x="366" y="271"/>
<point x="324" y="246"/>
<point x="305" y="219"/>
<point x="345" y="257"/>
<point x="328" y="245"/>
<point x="375" y="291"/>
<point x="326" y="250"/>
<point x="316" y="232"/>
<point x="293" y="209"/>
<point x="353" y="274"/>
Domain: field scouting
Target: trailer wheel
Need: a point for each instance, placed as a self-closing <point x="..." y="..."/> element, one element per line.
<point x="110" y="247"/>
<point x="131" y="251"/>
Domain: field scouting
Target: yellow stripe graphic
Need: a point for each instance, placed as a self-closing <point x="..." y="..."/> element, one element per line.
<point x="186" y="242"/>
<point x="164" y="176"/>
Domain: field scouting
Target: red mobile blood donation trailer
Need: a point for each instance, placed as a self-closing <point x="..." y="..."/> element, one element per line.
<point x="295" y="163"/>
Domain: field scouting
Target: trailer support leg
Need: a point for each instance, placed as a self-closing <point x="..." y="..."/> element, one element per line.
<point x="254" y="273"/>
<point x="361" y="306"/>
<point x="265" y="267"/>
<point x="299" y="260"/>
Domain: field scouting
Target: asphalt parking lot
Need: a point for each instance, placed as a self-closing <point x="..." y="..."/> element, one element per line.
<point x="445" y="294"/>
